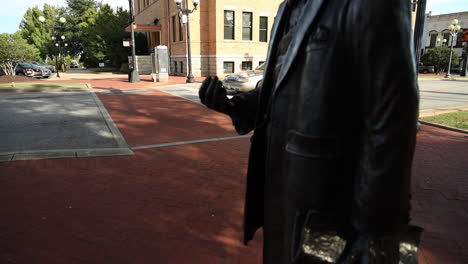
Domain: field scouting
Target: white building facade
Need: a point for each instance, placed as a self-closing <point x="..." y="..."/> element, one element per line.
<point x="435" y="27"/>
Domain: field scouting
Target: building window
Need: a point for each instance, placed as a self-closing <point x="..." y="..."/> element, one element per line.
<point x="260" y="63"/>
<point x="181" y="67"/>
<point x="432" y="43"/>
<point x="447" y="37"/>
<point x="181" y="35"/>
<point x="139" y="7"/>
<point x="228" y="24"/>
<point x="174" y="28"/>
<point x="175" y="66"/>
<point x="263" y="29"/>
<point x="459" y="40"/>
<point x="246" y="25"/>
<point x="246" y="65"/>
<point x="228" y="67"/>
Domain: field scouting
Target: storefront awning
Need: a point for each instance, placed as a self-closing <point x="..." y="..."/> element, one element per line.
<point x="144" y="28"/>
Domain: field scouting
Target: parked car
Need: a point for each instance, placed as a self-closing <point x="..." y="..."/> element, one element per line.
<point x="50" y="67"/>
<point x="426" y="69"/>
<point x="74" y="65"/>
<point x="243" y="81"/>
<point x="25" y="69"/>
<point x="44" y="71"/>
<point x="30" y="70"/>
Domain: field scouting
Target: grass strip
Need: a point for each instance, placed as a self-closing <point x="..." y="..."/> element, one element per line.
<point x="455" y="119"/>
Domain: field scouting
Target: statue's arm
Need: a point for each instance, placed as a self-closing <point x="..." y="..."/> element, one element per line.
<point x="245" y="111"/>
<point x="386" y="78"/>
<point x="241" y="108"/>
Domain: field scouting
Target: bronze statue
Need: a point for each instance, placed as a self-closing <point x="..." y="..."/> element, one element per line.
<point x="334" y="133"/>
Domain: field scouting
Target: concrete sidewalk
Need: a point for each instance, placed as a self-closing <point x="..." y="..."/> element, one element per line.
<point x="180" y="198"/>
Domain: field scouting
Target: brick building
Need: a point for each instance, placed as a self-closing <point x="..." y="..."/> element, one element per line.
<point x="226" y="35"/>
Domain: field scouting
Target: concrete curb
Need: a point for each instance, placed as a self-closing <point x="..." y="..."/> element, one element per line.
<point x="118" y="137"/>
<point x="444" y="127"/>
<point x="196" y="84"/>
<point x="63" y="153"/>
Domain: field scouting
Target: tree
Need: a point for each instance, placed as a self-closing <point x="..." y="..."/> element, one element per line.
<point x="81" y="14"/>
<point x="40" y="33"/>
<point x="108" y="30"/>
<point x="93" y="31"/>
<point x="99" y="30"/>
<point x="14" y="48"/>
<point x="439" y="57"/>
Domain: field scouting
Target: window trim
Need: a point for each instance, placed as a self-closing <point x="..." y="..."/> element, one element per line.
<point x="247" y="63"/>
<point x="262" y="30"/>
<point x="224" y="66"/>
<point x="174" y="35"/>
<point x="433" y="39"/>
<point x="250" y="28"/>
<point x="446" y="33"/>
<point x="181" y="35"/>
<point x="233" y="26"/>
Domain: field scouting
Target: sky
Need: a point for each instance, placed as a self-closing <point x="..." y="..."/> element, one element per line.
<point x="12" y="11"/>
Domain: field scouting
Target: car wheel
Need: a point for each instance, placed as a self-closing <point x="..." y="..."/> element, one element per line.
<point x="20" y="74"/>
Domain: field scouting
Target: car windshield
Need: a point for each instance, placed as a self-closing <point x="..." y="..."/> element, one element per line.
<point x="261" y="67"/>
<point x="25" y="65"/>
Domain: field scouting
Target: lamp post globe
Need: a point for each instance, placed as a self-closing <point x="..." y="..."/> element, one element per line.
<point x="196" y="2"/>
<point x="455" y="21"/>
<point x="62" y="20"/>
<point x="41" y="19"/>
<point x="178" y="2"/>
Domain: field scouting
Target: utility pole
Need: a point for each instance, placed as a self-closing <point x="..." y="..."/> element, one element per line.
<point x="134" y="76"/>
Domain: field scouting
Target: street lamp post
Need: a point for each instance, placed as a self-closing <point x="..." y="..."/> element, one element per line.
<point x="62" y="21"/>
<point x="439" y="43"/>
<point x="134" y="75"/>
<point x="454" y="28"/>
<point x="184" y="17"/>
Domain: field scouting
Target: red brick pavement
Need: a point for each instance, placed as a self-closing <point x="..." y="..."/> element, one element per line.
<point x="183" y="204"/>
<point x="440" y="200"/>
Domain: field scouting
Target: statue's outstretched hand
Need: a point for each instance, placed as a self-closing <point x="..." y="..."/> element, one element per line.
<point x="213" y="95"/>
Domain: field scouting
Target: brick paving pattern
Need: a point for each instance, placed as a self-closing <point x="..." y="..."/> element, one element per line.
<point x="183" y="204"/>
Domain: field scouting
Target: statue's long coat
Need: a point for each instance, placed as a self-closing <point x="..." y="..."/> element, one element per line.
<point x="334" y="130"/>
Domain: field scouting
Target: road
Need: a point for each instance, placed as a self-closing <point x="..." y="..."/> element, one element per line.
<point x="436" y="96"/>
<point x="439" y="96"/>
